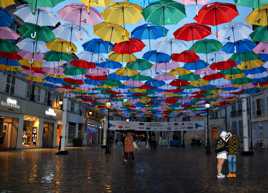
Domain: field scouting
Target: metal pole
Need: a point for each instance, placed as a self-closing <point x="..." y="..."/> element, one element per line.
<point x="208" y="151"/>
<point x="226" y="120"/>
<point x="107" y="149"/>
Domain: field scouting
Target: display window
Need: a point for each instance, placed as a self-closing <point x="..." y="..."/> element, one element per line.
<point x="30" y="131"/>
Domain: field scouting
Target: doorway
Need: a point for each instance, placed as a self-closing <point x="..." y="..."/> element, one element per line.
<point x="48" y="135"/>
<point x="8" y="133"/>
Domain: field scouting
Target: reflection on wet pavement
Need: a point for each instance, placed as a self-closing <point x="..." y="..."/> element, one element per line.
<point x="90" y="170"/>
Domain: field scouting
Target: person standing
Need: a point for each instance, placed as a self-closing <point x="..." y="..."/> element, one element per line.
<point x="233" y="146"/>
<point x="128" y="147"/>
<point x="221" y="151"/>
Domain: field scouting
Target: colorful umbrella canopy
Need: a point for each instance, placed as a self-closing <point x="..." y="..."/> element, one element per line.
<point x="7" y="46"/>
<point x="34" y="4"/>
<point x="239" y="46"/>
<point x="82" y="64"/>
<point x="261" y="48"/>
<point x="155" y="56"/>
<point x="110" y="64"/>
<point x="223" y="65"/>
<point x="126" y="72"/>
<point x="78" y="14"/>
<point x="93" y="3"/>
<point x="73" y="71"/>
<point x="192" y="31"/>
<point x="6" y="3"/>
<point x="39" y="33"/>
<point x="128" y="47"/>
<point x="164" y="12"/>
<point x="260" y="34"/>
<point x="60" y="45"/>
<point x="58" y="56"/>
<point x="259" y="16"/>
<point x="122" y="57"/>
<point x="71" y="32"/>
<point x="98" y="46"/>
<point x="139" y="64"/>
<point x="122" y="13"/>
<point x="206" y="46"/>
<point x="8" y="34"/>
<point x="185" y="56"/>
<point x="111" y="32"/>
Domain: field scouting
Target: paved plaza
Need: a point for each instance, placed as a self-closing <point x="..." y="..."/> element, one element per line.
<point x="89" y="170"/>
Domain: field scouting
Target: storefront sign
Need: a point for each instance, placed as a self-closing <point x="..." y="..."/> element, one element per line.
<point x="12" y="103"/>
<point x="50" y="112"/>
<point x="157" y="126"/>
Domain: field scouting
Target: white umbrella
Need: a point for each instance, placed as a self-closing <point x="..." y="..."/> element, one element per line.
<point x="71" y="32"/>
<point x="42" y="17"/>
<point x="170" y="45"/>
<point x="92" y="57"/>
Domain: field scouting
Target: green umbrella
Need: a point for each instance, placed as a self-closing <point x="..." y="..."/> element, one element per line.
<point x="244" y="56"/>
<point x="112" y="83"/>
<point x="240" y="81"/>
<point x="190" y="77"/>
<point x="139" y="64"/>
<point x="140" y="77"/>
<point x="74" y="71"/>
<point x="164" y="12"/>
<point x="8" y="46"/>
<point x="206" y="46"/>
<point x="231" y="71"/>
<point x="34" y="4"/>
<point x="28" y="30"/>
<point x="58" y="56"/>
<point x="251" y="3"/>
<point x="260" y="34"/>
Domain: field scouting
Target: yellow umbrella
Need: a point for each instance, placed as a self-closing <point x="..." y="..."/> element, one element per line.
<point x="10" y="68"/>
<point x="259" y="16"/>
<point x="105" y="86"/>
<point x="35" y="79"/>
<point x="168" y="94"/>
<point x="96" y="3"/>
<point x="31" y="64"/>
<point x="247" y="65"/>
<point x="60" y="45"/>
<point x="56" y="75"/>
<point x="233" y="76"/>
<point x="123" y="12"/>
<point x="179" y="72"/>
<point x="198" y="83"/>
<point x="111" y="32"/>
<point x="126" y="72"/>
<point x="6" y="3"/>
<point x="122" y="57"/>
<point x="138" y="90"/>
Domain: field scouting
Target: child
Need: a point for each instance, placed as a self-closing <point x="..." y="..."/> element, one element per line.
<point x="233" y="146"/>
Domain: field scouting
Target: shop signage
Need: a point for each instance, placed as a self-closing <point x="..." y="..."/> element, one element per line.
<point x="157" y="126"/>
<point x="11" y="103"/>
<point x="50" y="112"/>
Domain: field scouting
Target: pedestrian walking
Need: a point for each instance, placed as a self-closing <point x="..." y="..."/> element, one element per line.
<point x="221" y="151"/>
<point x="233" y="146"/>
<point x="128" y="147"/>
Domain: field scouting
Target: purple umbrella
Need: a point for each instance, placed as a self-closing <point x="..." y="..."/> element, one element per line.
<point x="8" y="34"/>
<point x="261" y="48"/>
<point x="31" y="56"/>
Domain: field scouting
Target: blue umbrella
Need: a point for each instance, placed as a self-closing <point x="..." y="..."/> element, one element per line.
<point x="8" y="62"/>
<point x="255" y="70"/>
<point x="239" y="46"/>
<point x="6" y="18"/>
<point x="155" y="83"/>
<point x="92" y="82"/>
<point x="252" y="91"/>
<point x="195" y="65"/>
<point x="117" y="77"/>
<point x="264" y="57"/>
<point x="157" y="57"/>
<point x="98" y="46"/>
<point x="54" y="80"/>
<point x="110" y="64"/>
<point x="259" y="80"/>
<point x="149" y="32"/>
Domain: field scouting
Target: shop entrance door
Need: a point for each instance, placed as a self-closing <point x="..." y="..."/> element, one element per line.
<point x="8" y="133"/>
<point x="48" y="135"/>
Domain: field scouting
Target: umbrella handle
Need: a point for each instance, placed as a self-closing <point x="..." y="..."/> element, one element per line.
<point x="33" y="35"/>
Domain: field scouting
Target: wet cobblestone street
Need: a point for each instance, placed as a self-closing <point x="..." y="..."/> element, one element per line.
<point x="89" y="170"/>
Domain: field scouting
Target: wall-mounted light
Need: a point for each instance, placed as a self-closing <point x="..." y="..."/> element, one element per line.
<point x="207" y="105"/>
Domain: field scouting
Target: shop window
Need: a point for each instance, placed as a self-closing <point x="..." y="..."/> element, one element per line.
<point x="37" y="93"/>
<point x="71" y="132"/>
<point x="80" y="130"/>
<point x="10" y="85"/>
<point x="30" y="131"/>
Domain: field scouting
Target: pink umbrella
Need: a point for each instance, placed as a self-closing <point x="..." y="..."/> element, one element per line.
<point x="79" y="14"/>
<point x="205" y="72"/>
<point x="31" y="56"/>
<point x="7" y="33"/>
<point x="133" y="83"/>
<point x="261" y="48"/>
<point x="160" y="67"/>
<point x="97" y="71"/>
<point x="164" y="77"/>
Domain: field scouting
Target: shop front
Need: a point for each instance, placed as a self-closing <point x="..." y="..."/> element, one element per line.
<point x="8" y="132"/>
<point x="31" y="129"/>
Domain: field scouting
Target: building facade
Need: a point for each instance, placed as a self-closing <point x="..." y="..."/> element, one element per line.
<point x="31" y="115"/>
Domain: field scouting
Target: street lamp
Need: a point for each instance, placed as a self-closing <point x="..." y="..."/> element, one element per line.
<point x="107" y="149"/>
<point x="208" y="150"/>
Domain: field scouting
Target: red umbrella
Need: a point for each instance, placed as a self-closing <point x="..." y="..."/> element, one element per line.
<point x="83" y="64"/>
<point x="177" y="90"/>
<point x="171" y="100"/>
<point x="147" y="87"/>
<point x="185" y="56"/>
<point x="178" y="82"/>
<point x="73" y="81"/>
<point x="10" y="55"/>
<point x="213" y="76"/>
<point x="129" y="47"/>
<point x="34" y="69"/>
<point x="192" y="31"/>
<point x="223" y="65"/>
<point x="97" y="77"/>
<point x="216" y="13"/>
